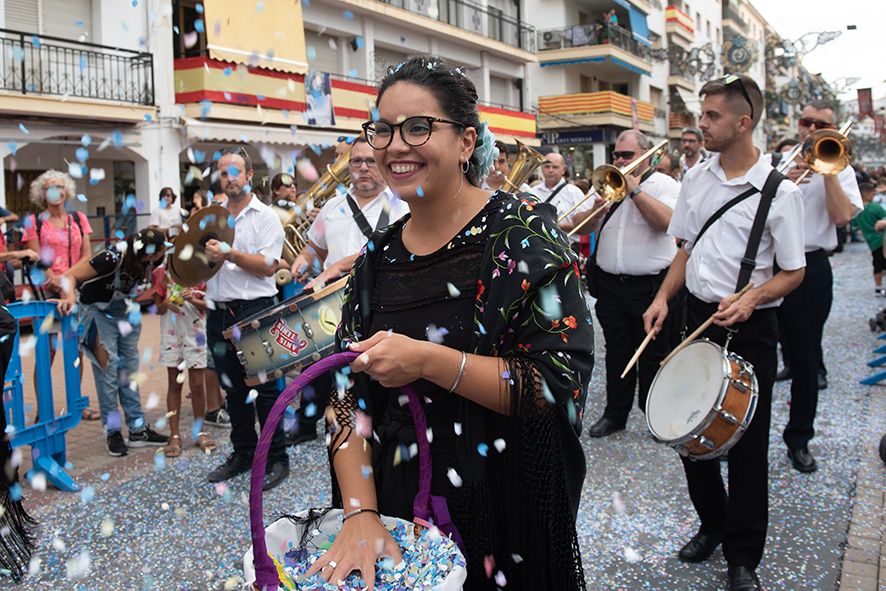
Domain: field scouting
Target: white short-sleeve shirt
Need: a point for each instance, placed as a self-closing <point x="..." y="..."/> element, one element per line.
<point x="821" y="233"/>
<point x="168" y="218"/>
<point x="336" y="231"/>
<point x="564" y="200"/>
<point x="257" y="230"/>
<point x="714" y="263"/>
<point x="628" y="245"/>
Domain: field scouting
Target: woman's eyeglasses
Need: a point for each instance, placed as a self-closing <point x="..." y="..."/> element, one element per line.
<point x="415" y="131"/>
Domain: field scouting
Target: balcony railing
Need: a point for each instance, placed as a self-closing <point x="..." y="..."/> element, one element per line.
<point x="589" y="35"/>
<point x="488" y="21"/>
<point x="40" y="64"/>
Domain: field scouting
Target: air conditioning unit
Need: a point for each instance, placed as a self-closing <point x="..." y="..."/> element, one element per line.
<point x="551" y="39"/>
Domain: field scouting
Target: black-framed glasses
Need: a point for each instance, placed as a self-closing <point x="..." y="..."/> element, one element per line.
<point x="414" y="131"/>
<point x="624" y="155"/>
<point x="818" y="123"/>
<point x="357" y="163"/>
<point x="731" y="79"/>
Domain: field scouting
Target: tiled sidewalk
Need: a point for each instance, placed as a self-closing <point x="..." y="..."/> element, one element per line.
<point x="864" y="561"/>
<point x="86" y="442"/>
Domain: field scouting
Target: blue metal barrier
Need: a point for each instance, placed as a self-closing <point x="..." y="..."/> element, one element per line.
<point x="47" y="436"/>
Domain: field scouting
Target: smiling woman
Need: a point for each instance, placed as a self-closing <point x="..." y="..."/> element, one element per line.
<point x="475" y="299"/>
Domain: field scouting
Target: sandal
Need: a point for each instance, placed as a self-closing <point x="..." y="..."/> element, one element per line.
<point x="205" y="442"/>
<point x="90" y="414"/>
<point x="173" y="450"/>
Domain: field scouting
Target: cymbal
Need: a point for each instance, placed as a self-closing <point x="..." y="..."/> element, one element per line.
<point x="188" y="264"/>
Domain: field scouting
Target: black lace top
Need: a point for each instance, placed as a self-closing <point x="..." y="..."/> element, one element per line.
<point x="426" y="298"/>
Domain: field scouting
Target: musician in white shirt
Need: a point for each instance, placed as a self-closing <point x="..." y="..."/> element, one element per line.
<point x="710" y="267"/>
<point x="338" y="234"/>
<point x="557" y="190"/>
<point x="242" y="287"/>
<point x="829" y="201"/>
<point x="633" y="254"/>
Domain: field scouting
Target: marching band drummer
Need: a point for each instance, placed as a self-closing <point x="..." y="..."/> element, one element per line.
<point x="338" y="233"/>
<point x="244" y="286"/>
<point x="632" y="258"/>
<point x="711" y="267"/>
<point x="829" y="201"/>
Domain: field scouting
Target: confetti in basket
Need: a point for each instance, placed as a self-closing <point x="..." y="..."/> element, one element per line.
<point x="431" y="546"/>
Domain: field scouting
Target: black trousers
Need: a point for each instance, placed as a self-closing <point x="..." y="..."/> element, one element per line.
<point x="803" y="315"/>
<point x="231" y="376"/>
<point x="742" y="515"/>
<point x="621" y="301"/>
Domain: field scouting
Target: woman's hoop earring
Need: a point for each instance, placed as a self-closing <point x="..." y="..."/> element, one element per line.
<point x="466" y="166"/>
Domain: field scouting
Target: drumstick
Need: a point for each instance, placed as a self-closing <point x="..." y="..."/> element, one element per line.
<point x="704" y="326"/>
<point x="638" y="353"/>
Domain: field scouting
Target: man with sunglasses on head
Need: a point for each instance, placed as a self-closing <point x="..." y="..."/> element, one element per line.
<point x="632" y="257"/>
<point x="725" y="196"/>
<point x="692" y="148"/>
<point x="829" y="201"/>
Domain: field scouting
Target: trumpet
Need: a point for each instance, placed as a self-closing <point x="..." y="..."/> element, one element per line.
<point x="528" y="160"/>
<point x="825" y="151"/>
<point x="296" y="222"/>
<point x="610" y="184"/>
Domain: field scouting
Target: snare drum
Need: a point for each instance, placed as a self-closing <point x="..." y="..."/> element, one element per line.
<point x="289" y="335"/>
<point x="702" y="401"/>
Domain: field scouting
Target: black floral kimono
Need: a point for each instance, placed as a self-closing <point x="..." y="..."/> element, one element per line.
<point x="513" y="482"/>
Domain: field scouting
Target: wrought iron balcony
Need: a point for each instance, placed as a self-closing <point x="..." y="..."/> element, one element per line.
<point x="44" y="65"/>
<point x="589" y="35"/>
<point x="484" y="20"/>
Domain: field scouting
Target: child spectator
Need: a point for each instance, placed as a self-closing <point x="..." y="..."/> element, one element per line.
<point x="182" y="346"/>
<point x="871" y="222"/>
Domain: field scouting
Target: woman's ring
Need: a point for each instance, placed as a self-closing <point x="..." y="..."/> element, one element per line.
<point x="332" y="563"/>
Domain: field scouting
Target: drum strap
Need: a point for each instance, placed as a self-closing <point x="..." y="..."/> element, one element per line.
<point x="361" y="220"/>
<point x="749" y="262"/>
<point x="554" y="193"/>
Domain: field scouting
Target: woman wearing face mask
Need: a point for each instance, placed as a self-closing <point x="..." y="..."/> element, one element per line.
<point x="474" y="298"/>
<point x="60" y="236"/>
<point x="111" y="323"/>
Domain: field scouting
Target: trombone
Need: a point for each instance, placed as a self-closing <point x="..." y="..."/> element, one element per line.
<point x="609" y="182"/>
<point x="825" y="151"/>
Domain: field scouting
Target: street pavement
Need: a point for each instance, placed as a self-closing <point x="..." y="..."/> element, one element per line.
<point x="143" y="523"/>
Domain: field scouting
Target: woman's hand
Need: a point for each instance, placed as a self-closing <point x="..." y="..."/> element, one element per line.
<point x="362" y="540"/>
<point x="66" y="304"/>
<point x="392" y="359"/>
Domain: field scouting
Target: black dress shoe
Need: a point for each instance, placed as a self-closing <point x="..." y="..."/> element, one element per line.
<point x="783" y="375"/>
<point x="822" y="382"/>
<point x="743" y="578"/>
<point x="700" y="547"/>
<point x="235" y="464"/>
<point x="802" y="460"/>
<point x="605" y="427"/>
<point x="275" y="474"/>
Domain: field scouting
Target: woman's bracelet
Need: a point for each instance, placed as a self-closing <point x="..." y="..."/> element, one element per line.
<point x="347" y="516"/>
<point x="461" y="372"/>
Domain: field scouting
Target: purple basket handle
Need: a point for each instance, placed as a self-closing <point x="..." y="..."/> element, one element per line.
<point x="425" y="506"/>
